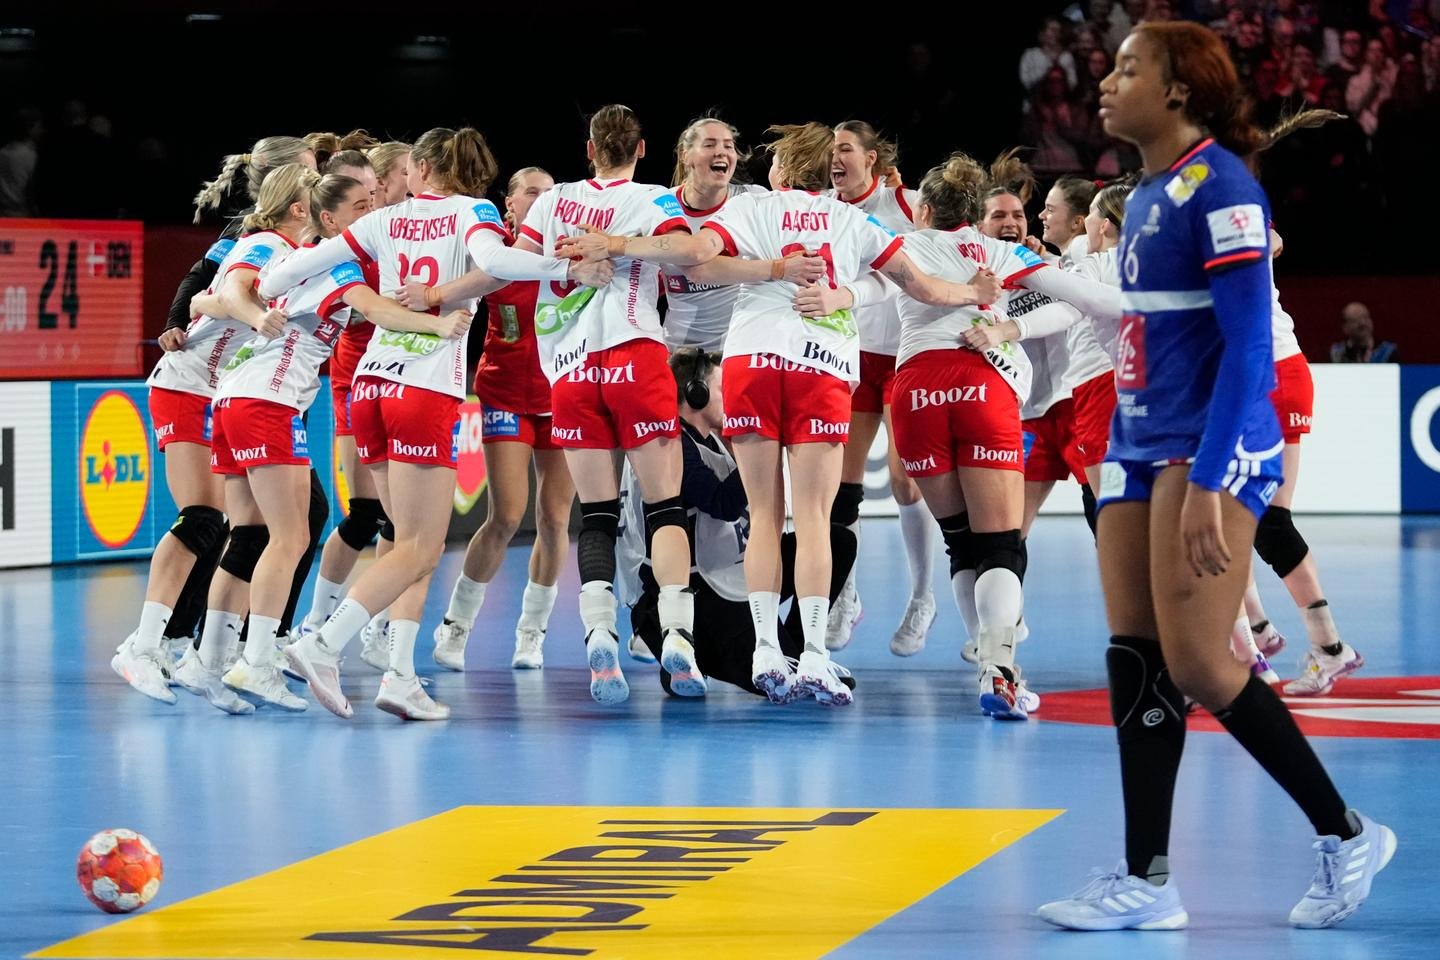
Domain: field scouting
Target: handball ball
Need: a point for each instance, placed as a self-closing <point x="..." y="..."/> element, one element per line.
<point x="119" y="870"/>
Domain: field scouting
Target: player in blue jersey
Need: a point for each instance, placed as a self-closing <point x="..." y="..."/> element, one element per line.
<point x="1195" y="452"/>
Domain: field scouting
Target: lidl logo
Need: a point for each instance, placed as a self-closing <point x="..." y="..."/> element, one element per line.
<point x="634" y="882"/>
<point x="470" y="456"/>
<point x="114" y="469"/>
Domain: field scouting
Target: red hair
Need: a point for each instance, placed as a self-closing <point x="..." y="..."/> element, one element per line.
<point x="1194" y="55"/>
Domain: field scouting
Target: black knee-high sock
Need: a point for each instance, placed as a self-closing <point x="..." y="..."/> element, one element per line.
<point x="189" y="614"/>
<point x="1087" y="498"/>
<point x="1149" y="715"/>
<point x="1259" y="720"/>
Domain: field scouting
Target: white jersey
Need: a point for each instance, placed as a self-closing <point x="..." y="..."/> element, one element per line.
<point x="572" y="322"/>
<point x="772" y="225"/>
<point x="1049" y="355"/>
<point x="427" y="239"/>
<point x="1282" y="325"/>
<point x="211" y="344"/>
<point x="1093" y="339"/>
<point x="957" y="255"/>
<point x="895" y="209"/>
<point x="286" y="370"/>
<point x="698" y="314"/>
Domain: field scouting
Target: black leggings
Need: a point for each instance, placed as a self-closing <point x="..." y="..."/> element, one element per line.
<point x="724" y="632"/>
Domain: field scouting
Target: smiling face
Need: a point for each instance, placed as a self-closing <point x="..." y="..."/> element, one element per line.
<point x="1004" y="218"/>
<point x="712" y="160"/>
<point x="851" y="165"/>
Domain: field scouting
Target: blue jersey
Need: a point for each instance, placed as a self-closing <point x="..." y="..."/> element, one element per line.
<point x="1193" y="380"/>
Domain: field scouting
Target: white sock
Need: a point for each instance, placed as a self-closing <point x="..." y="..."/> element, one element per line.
<point x="814" y="612"/>
<point x="535" y="605"/>
<point x="917" y="529"/>
<point x="998" y="602"/>
<point x="150" y="633"/>
<point x="260" y="642"/>
<point x="220" y="636"/>
<point x="401" y="634"/>
<point x="597" y="606"/>
<point x="1242" y="640"/>
<point x="465" y="601"/>
<point x="1254" y="609"/>
<point x="1320" y="625"/>
<point x="963" y="586"/>
<point x="348" y="619"/>
<point x="676" y="608"/>
<point x="765" y="614"/>
<point x="327" y="597"/>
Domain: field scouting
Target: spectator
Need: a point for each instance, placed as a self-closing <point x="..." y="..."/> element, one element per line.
<point x="1347" y="63"/>
<point x="1270" y="105"/>
<point x="1304" y="17"/>
<point x="1303" y="83"/>
<point x="1157" y="11"/>
<point x="1111" y="22"/>
<point x="1430" y="64"/>
<point x="1094" y="68"/>
<point x="1087" y="38"/>
<point x="72" y="155"/>
<point x="1282" y="43"/>
<point x="1249" y="46"/>
<point x="1359" y="345"/>
<point x="1405" y="124"/>
<point x="1371" y="87"/>
<point x="1050" y="53"/>
<point x="1056" y="127"/>
<point x="17" y="164"/>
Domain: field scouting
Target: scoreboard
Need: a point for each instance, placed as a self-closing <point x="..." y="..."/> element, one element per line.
<point x="70" y="298"/>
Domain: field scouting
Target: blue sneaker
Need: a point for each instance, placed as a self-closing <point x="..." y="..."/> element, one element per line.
<point x="1344" y="871"/>
<point x="1118" y="901"/>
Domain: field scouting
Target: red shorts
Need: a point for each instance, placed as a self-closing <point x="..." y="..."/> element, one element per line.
<point x="953" y="409"/>
<point x="179" y="417"/>
<point x="340" y="401"/>
<point x="406" y="424"/>
<point x="618" y="398"/>
<point x="1294" y="397"/>
<point x="1094" y="408"/>
<point x="502" y="426"/>
<point x="877" y="377"/>
<point x="784" y="400"/>
<point x="1053" y="454"/>
<point x="256" y="433"/>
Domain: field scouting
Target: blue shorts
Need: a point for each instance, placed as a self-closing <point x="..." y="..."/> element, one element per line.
<point x="1251" y="481"/>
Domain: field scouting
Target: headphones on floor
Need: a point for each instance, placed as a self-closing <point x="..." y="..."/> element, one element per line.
<point x="696" y="388"/>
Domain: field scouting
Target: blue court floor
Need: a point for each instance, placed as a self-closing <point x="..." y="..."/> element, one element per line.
<point x="227" y="799"/>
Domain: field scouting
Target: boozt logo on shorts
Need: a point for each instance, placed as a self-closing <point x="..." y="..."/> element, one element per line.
<point x="920" y="399"/>
<point x="375" y="391"/>
<point x="813" y="351"/>
<point x="567" y="433"/>
<point x="821" y="428"/>
<point x="978" y="452"/>
<point x="625" y="374"/>
<point x="168" y="430"/>
<point x="249" y="453"/>
<point x="768" y="361"/>
<point x="1299" y="420"/>
<point x="742" y="423"/>
<point x="565" y="358"/>
<point x="398" y="449"/>
<point x="362" y="452"/>
<point x="654" y="426"/>
<point x="915" y="466"/>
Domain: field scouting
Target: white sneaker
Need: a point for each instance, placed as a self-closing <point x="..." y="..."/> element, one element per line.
<point x="637" y="649"/>
<point x="677" y="657"/>
<point x="375" y="644"/>
<point x="192" y="676"/>
<point x="997" y="695"/>
<point x="1319" y="671"/>
<point x="262" y="684"/>
<point x="186" y="655"/>
<point x="321" y="669"/>
<point x="143" y="672"/>
<point x="1025" y="698"/>
<point x="450" y="640"/>
<point x="909" y="639"/>
<point x="406" y="698"/>
<point x="970" y="651"/>
<point x="1268" y="640"/>
<point x="1344" y="871"/>
<point x="772" y="673"/>
<point x="1118" y="901"/>
<point x="819" y="676"/>
<point x="529" y="649"/>
<point x="845" y="612"/>
<point x="607" y="683"/>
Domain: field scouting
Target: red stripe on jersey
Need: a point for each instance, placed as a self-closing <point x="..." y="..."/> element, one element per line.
<point x="730" y="249"/>
<point x="1196" y="149"/>
<point x="904" y="207"/>
<point x="673" y="225"/>
<point x="1247" y="255"/>
<point x="244" y="266"/>
<point x="355" y="245"/>
<point x="429" y="196"/>
<point x="959" y="226"/>
<point x="889" y="252"/>
<point x="531" y="234"/>
<point x="293" y="244"/>
<point x="603" y="186"/>
<point x="874" y="185"/>
<point x="504" y="234"/>
<point x="335" y="301"/>
<point x="691" y="211"/>
<point x="1011" y="282"/>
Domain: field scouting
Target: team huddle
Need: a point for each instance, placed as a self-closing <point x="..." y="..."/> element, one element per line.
<point x="1139" y="342"/>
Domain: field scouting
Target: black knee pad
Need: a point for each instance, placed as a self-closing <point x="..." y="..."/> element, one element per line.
<point x="999" y="551"/>
<point x="1144" y="701"/>
<point x="599" y="525"/>
<point x="200" y="529"/>
<point x="365" y="520"/>
<point x="1087" y="499"/>
<point x="1279" y="543"/>
<point x="246" y="545"/>
<point x="387" y="529"/>
<point x="959" y="543"/>
<point x="846" y="508"/>
<point x="663" y="513"/>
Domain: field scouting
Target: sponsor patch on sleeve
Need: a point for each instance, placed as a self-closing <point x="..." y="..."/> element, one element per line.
<point x="668" y="204"/>
<point x="1027" y="256"/>
<point x="487" y="212"/>
<point x="1183" y="185"/>
<point x="219" y="250"/>
<point x="1240" y="227"/>
<point x="346" y="273"/>
<point x="881" y="225"/>
<point x="258" y="255"/>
